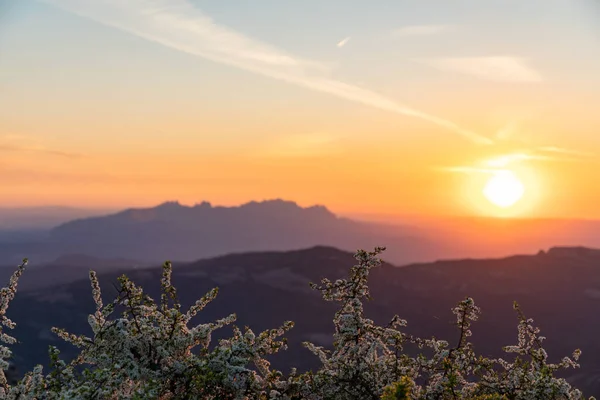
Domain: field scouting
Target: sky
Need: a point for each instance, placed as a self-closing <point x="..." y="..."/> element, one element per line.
<point x="392" y="107"/>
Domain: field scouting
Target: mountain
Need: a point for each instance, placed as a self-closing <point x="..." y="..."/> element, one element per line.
<point x="189" y="233"/>
<point x="558" y="288"/>
<point x="41" y="218"/>
<point x="172" y="230"/>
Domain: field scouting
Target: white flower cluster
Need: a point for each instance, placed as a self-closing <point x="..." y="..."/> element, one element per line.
<point x="151" y="353"/>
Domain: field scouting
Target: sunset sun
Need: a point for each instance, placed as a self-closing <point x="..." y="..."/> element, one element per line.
<point x="504" y="189"/>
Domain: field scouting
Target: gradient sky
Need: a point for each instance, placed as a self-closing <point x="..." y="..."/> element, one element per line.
<point x="389" y="106"/>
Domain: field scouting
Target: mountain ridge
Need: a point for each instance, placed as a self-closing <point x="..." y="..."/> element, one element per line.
<point x="171" y="229"/>
<point x="191" y="232"/>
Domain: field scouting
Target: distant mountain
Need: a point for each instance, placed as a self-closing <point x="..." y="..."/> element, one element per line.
<point x="39" y="218"/>
<point x="172" y="230"/>
<point x="175" y="231"/>
<point x="558" y="288"/>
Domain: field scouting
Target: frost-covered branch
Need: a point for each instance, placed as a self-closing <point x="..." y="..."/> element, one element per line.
<point x="151" y="352"/>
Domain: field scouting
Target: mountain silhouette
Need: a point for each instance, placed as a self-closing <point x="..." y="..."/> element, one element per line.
<point x="186" y="233"/>
<point x="172" y="230"/>
<point x="37" y="218"/>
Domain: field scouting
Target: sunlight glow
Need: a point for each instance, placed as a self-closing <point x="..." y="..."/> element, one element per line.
<point x="504" y="189"/>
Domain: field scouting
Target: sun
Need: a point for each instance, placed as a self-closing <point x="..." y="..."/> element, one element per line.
<point x="504" y="189"/>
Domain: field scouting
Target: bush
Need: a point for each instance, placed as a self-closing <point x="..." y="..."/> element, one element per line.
<point x="149" y="352"/>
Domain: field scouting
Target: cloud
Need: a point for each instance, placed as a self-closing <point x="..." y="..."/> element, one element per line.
<point x="537" y="155"/>
<point x="305" y="145"/>
<point x="19" y="143"/>
<point x="511" y="132"/>
<point x="507" y="132"/>
<point x="496" y="163"/>
<point x="13" y="148"/>
<point x="419" y="30"/>
<point x="467" y="170"/>
<point x="503" y="161"/>
<point x="496" y="68"/>
<point x="179" y="25"/>
<point x="507" y="159"/>
<point x="343" y="42"/>
<point x="561" y="150"/>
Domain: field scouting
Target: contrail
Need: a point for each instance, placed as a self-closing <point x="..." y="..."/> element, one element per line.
<point x="343" y="42"/>
<point x="5" y="147"/>
<point x="179" y="25"/>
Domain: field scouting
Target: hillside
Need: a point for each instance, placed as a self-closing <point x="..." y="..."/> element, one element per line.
<point x="558" y="288"/>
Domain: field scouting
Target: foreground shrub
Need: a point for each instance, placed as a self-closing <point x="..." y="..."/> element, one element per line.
<point x="150" y="352"/>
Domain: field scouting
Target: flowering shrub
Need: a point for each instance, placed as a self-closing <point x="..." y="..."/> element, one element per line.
<point x="150" y="352"/>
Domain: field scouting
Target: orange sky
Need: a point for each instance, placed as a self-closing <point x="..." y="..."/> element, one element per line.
<point x="355" y="180"/>
<point x="396" y="119"/>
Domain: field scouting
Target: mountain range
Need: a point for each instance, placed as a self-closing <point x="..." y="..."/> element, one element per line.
<point x="172" y="230"/>
<point x="558" y="288"/>
<point x="186" y="233"/>
<point x="37" y="218"/>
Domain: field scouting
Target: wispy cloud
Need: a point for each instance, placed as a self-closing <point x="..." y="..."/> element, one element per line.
<point x="539" y="154"/>
<point x="502" y="161"/>
<point x="420" y="30"/>
<point x="179" y="25"/>
<point x="343" y="42"/>
<point x="507" y="132"/>
<point x="507" y="159"/>
<point x="512" y="133"/>
<point x="467" y="170"/>
<point x="496" y="68"/>
<point x="19" y="143"/>
<point x="301" y="145"/>
<point x="561" y="150"/>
